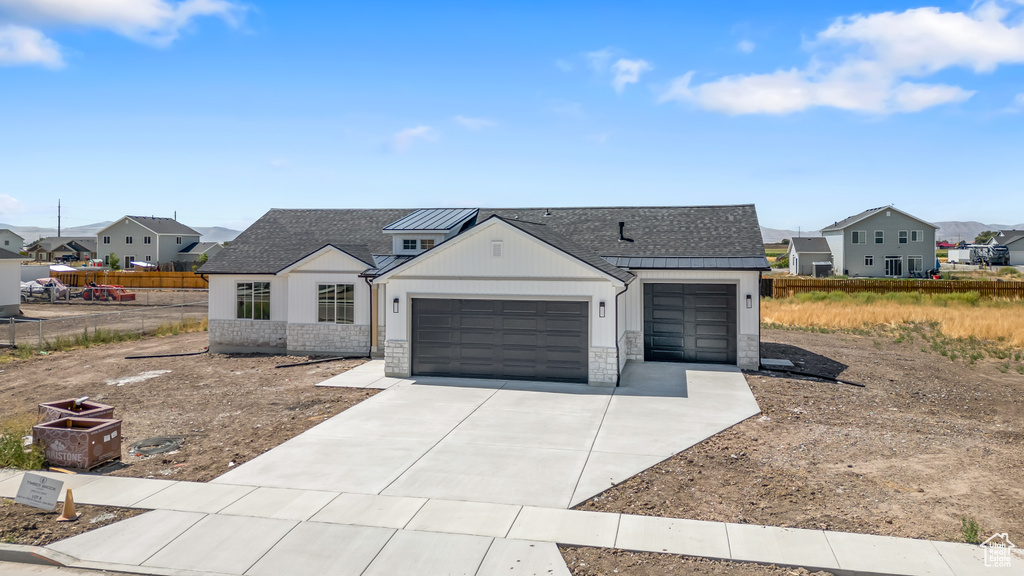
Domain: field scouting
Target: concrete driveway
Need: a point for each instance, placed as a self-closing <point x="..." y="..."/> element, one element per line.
<point x="504" y="442"/>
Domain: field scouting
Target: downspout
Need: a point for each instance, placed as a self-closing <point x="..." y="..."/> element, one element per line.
<point x="618" y="373"/>
<point x="373" y="321"/>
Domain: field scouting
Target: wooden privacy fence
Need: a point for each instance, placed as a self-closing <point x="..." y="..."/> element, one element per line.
<point x="786" y="287"/>
<point x="166" y="280"/>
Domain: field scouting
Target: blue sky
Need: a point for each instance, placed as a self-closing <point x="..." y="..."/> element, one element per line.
<point x="221" y="110"/>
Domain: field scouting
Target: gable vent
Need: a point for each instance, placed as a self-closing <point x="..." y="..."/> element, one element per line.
<point x="497" y="249"/>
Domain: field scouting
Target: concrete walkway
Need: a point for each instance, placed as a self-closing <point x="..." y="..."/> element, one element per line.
<point x="207" y="528"/>
<point x="506" y="442"/>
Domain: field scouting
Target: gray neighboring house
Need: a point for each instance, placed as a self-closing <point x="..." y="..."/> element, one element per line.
<point x="883" y="242"/>
<point x="195" y="250"/>
<point x="1014" y="241"/>
<point x="145" y="239"/>
<point x="804" y="252"/>
<point x="566" y="294"/>
<point x="51" y="248"/>
<point x="11" y="241"/>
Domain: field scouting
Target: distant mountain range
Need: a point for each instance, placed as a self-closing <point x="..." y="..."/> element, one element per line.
<point x="951" y="231"/>
<point x="33" y="233"/>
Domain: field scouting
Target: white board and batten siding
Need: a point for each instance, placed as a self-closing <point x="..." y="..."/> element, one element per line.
<point x="747" y="282"/>
<point x="526" y="269"/>
<point x="330" y="267"/>
<point x="222" y="295"/>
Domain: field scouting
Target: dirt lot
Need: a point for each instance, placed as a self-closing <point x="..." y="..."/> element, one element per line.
<point x="33" y="527"/>
<point x="78" y="306"/>
<point x="925" y="442"/>
<point x="228" y="408"/>
<point x="605" y="562"/>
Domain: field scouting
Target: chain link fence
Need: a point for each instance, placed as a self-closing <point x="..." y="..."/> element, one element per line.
<point x="43" y="323"/>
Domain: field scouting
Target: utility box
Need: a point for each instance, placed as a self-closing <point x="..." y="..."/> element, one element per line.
<point x="50" y="411"/>
<point x="822" y="269"/>
<point x="82" y="443"/>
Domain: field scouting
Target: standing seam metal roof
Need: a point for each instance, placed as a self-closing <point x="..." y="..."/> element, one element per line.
<point x="432" y="219"/>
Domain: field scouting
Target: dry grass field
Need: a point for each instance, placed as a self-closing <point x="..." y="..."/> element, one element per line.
<point x="959" y="316"/>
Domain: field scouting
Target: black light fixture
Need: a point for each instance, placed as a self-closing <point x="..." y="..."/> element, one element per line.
<point x="750" y="301"/>
<point x="394" y="305"/>
<point x="600" y="309"/>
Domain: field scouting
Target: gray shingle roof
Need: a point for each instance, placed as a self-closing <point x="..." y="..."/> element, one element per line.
<point x="12" y="232"/>
<point x="867" y="214"/>
<point x="281" y="237"/>
<point x="433" y="219"/>
<point x="1009" y="237"/>
<point x="86" y="243"/>
<point x="8" y="255"/>
<point x="806" y="245"/>
<point x="545" y="234"/>
<point x="197" y="248"/>
<point x="163" y="225"/>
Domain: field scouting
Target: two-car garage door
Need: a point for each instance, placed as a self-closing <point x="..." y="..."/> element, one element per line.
<point x="513" y="339"/>
<point x="690" y="323"/>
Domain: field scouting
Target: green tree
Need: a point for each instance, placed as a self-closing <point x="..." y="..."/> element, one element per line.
<point x="785" y="241"/>
<point x="114" y="262"/>
<point x="200" y="261"/>
<point x="985" y="236"/>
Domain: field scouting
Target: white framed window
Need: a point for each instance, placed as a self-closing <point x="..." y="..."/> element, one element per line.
<point x="894" y="266"/>
<point x="917" y="235"/>
<point x="427" y="243"/>
<point x="904" y="236"/>
<point x="177" y="240"/>
<point x="859" y="237"/>
<point x="252" y="300"/>
<point x="335" y="303"/>
<point x="147" y="239"/>
<point x="408" y="244"/>
<point x="127" y="239"/>
<point x="915" y="265"/>
<point x="149" y="258"/>
<point x="106" y="239"/>
<point x="127" y="262"/>
<point x="879" y="237"/>
<point x="869" y="260"/>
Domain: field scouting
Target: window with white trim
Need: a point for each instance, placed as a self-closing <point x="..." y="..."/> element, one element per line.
<point x="252" y="300"/>
<point x="149" y="258"/>
<point x="408" y="244"/>
<point x="917" y="235"/>
<point x="869" y="260"/>
<point x="178" y="240"/>
<point x="915" y="265"/>
<point x="879" y="237"/>
<point x="106" y="239"/>
<point x="147" y="239"/>
<point x="335" y="303"/>
<point x="903" y="237"/>
<point x="127" y="239"/>
<point x="859" y="237"/>
<point x="426" y="243"/>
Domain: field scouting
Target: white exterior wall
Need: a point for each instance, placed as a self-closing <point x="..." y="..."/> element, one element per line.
<point x="330" y="267"/>
<point x="748" y="329"/>
<point x="838" y="247"/>
<point x="10" y="287"/>
<point x="222" y="295"/>
<point x="1017" y="255"/>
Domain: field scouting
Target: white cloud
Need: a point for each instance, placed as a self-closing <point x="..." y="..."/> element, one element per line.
<point x="628" y="72"/>
<point x="474" y="124"/>
<point x="598" y="60"/>
<point x="746" y="46"/>
<point x="875" y="60"/>
<point x="155" y="22"/>
<point x="406" y="138"/>
<point x="20" y="46"/>
<point x="9" y="205"/>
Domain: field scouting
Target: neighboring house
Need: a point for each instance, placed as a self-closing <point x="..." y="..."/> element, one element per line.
<point x="144" y="239"/>
<point x="1014" y="241"/>
<point x="52" y="248"/>
<point x="11" y="241"/>
<point x="10" y="283"/>
<point x="566" y="294"/>
<point x="804" y="252"/>
<point x="195" y="250"/>
<point x="881" y="242"/>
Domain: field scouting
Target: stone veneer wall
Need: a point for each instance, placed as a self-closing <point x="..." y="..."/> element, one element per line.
<point x="348" y="339"/>
<point x="748" y="351"/>
<point x="623" y="357"/>
<point x="634" y="345"/>
<point x="396" y="358"/>
<point x="253" y="334"/>
<point x="604" y="367"/>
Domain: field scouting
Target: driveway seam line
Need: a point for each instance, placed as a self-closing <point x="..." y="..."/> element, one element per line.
<point x="728" y="539"/>
<point x="435" y="444"/>
<point x="484" y="557"/>
<point x="168" y="543"/>
<point x="133" y="504"/>
<point x="618" y="525"/>
<point x="514" y="520"/>
<point x="590" y="450"/>
<point x="418" y="510"/>
<point x="377" y="555"/>
<point x="272" y="546"/>
<point x="832" y="550"/>
<point x="321" y="509"/>
<point x="941" y="557"/>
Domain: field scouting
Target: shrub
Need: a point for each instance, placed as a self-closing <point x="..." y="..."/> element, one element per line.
<point x="970" y="530"/>
<point x="1010" y="271"/>
<point x="13" y="452"/>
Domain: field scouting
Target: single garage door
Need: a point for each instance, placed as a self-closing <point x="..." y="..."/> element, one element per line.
<point x="514" y="339"/>
<point x="690" y="323"/>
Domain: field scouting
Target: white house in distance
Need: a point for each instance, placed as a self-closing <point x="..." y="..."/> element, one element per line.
<point x="144" y="239"/>
<point x="10" y="283"/>
<point x="559" y="294"/>
<point x="804" y="252"/>
<point x="11" y="241"/>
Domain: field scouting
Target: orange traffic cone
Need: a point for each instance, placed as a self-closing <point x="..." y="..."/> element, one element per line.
<point x="69" y="514"/>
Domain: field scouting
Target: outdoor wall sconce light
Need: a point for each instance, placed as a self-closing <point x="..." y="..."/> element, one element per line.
<point x="394" y="305"/>
<point x="750" y="301"/>
<point x="600" y="309"/>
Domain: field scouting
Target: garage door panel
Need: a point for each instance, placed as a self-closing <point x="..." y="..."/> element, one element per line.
<point x="690" y="322"/>
<point x="534" y="340"/>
